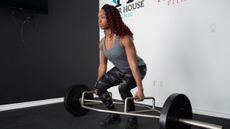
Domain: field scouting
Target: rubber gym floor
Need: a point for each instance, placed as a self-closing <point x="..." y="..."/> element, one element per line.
<point x="54" y="116"/>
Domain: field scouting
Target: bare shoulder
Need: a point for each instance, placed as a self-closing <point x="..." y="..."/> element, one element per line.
<point x="126" y="40"/>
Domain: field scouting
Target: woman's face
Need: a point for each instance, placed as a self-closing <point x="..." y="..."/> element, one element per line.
<point x="102" y="22"/>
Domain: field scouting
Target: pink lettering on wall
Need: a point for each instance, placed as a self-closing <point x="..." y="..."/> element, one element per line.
<point x="171" y="2"/>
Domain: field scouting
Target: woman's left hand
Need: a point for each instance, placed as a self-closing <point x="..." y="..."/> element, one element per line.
<point x="139" y="95"/>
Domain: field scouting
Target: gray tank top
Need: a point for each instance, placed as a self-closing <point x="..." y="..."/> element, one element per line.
<point x="117" y="55"/>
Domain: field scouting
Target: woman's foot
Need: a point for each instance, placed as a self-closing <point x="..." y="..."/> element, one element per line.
<point x="132" y="123"/>
<point x="111" y="119"/>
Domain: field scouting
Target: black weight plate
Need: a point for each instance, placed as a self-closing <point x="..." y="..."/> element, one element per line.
<point x="71" y="99"/>
<point x="176" y="106"/>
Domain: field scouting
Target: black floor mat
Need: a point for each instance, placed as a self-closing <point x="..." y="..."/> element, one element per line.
<point x="56" y="117"/>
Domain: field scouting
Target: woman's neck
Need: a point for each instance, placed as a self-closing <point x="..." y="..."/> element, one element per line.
<point x="109" y="33"/>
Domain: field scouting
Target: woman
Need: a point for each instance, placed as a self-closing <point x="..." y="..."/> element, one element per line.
<point x="129" y="69"/>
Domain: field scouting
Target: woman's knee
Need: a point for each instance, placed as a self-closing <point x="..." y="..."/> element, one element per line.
<point x="99" y="88"/>
<point x="124" y="91"/>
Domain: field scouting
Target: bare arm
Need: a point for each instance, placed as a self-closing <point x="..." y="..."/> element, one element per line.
<point x="130" y="50"/>
<point x="102" y="63"/>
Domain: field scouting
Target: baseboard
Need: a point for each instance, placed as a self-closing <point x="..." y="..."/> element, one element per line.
<point x="13" y="106"/>
<point x="204" y="112"/>
<point x="211" y="113"/>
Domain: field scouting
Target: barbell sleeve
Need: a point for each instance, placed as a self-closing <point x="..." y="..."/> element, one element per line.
<point x="200" y="124"/>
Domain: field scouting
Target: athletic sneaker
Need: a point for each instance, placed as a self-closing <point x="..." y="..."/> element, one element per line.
<point x="111" y="119"/>
<point x="132" y="123"/>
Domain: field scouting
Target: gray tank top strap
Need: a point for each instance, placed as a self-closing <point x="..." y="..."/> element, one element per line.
<point x="103" y="43"/>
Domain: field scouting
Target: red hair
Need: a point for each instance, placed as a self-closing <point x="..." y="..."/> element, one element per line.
<point x="115" y="21"/>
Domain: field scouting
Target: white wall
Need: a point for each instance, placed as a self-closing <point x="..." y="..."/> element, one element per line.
<point x="186" y="48"/>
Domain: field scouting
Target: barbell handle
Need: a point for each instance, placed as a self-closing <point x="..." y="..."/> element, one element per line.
<point x="132" y="98"/>
<point x="200" y="124"/>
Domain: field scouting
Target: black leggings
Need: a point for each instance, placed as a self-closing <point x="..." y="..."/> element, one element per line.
<point x="125" y="81"/>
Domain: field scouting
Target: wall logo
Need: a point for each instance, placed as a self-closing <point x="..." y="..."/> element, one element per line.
<point x="117" y="2"/>
<point x="126" y="9"/>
